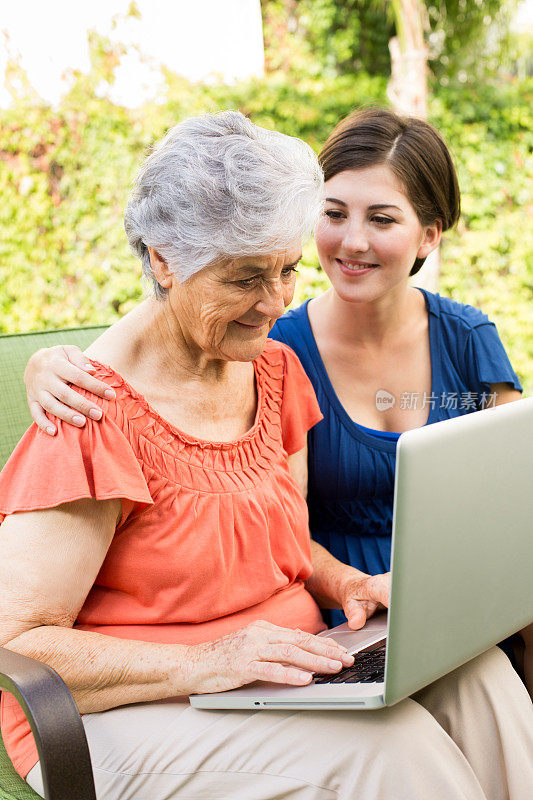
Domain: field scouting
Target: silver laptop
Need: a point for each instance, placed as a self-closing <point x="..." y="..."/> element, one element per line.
<point x="462" y="549"/>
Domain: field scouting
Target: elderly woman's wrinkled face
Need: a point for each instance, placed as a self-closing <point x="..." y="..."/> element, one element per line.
<point x="226" y="311"/>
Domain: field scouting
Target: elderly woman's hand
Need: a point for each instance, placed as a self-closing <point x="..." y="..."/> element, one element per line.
<point x="47" y="375"/>
<point x="263" y="651"/>
<point x="363" y="596"/>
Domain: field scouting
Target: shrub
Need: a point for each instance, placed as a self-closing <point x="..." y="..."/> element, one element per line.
<point x="64" y="177"/>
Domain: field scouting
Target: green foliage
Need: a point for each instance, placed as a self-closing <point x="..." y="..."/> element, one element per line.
<point x="349" y="36"/>
<point x="63" y="185"/>
<point x="64" y="177"/>
<point x="325" y="37"/>
<point x="305" y="107"/>
<point x="341" y="37"/>
<point x="467" y="38"/>
<point x="488" y="260"/>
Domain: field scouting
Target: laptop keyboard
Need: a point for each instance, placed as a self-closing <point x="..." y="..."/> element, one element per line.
<point x="369" y="667"/>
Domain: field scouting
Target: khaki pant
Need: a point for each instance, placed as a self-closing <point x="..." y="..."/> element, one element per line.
<point x="468" y="735"/>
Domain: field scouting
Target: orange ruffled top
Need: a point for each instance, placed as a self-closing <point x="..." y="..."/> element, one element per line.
<point x="212" y="536"/>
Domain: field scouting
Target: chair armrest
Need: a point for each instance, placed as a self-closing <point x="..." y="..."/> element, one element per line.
<point x="55" y="723"/>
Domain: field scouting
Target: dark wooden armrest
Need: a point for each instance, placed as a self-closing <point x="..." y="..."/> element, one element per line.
<point x="55" y="723"/>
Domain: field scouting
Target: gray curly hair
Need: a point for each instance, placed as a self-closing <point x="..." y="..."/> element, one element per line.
<point x="217" y="187"/>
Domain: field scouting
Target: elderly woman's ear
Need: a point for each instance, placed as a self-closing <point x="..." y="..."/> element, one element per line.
<point x="160" y="268"/>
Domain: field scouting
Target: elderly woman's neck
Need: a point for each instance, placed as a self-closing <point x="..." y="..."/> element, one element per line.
<point x="178" y="350"/>
<point x="210" y="399"/>
<point x="149" y="343"/>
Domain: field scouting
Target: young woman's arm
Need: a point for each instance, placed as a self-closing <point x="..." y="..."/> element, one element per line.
<point x="334" y="584"/>
<point x="502" y="393"/>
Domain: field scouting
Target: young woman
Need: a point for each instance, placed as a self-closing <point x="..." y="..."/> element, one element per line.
<point x="383" y="356"/>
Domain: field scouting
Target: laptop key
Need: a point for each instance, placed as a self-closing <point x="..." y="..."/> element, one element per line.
<point x="335" y="677"/>
<point x="373" y="677"/>
<point x="348" y="677"/>
<point x="369" y="667"/>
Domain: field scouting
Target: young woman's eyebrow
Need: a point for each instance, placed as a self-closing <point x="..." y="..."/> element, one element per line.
<point x="373" y="207"/>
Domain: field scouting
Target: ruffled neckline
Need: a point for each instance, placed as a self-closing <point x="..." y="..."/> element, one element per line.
<point x="268" y="371"/>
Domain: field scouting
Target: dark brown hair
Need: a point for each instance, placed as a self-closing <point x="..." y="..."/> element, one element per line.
<point x="413" y="149"/>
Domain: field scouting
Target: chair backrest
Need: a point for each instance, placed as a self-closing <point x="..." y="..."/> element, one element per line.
<point x="15" y="350"/>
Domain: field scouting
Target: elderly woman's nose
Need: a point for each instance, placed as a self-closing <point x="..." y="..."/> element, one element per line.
<point x="274" y="301"/>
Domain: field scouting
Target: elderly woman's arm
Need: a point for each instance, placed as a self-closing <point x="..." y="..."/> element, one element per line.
<point x="50" y="560"/>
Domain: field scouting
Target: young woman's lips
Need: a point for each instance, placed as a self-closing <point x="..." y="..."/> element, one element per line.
<point x="355" y="268"/>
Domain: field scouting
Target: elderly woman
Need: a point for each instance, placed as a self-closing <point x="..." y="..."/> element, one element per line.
<point x="164" y="550"/>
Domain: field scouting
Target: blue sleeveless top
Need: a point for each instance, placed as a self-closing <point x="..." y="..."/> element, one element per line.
<point x="351" y="468"/>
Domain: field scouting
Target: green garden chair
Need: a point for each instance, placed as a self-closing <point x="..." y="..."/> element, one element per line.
<point x="46" y="701"/>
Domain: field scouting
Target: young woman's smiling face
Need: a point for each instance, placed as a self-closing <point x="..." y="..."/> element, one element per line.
<point x="370" y="235"/>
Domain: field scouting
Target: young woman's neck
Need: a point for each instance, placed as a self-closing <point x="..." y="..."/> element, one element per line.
<point x="370" y="323"/>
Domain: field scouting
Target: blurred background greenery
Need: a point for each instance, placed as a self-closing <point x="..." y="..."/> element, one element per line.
<point x="65" y="171"/>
